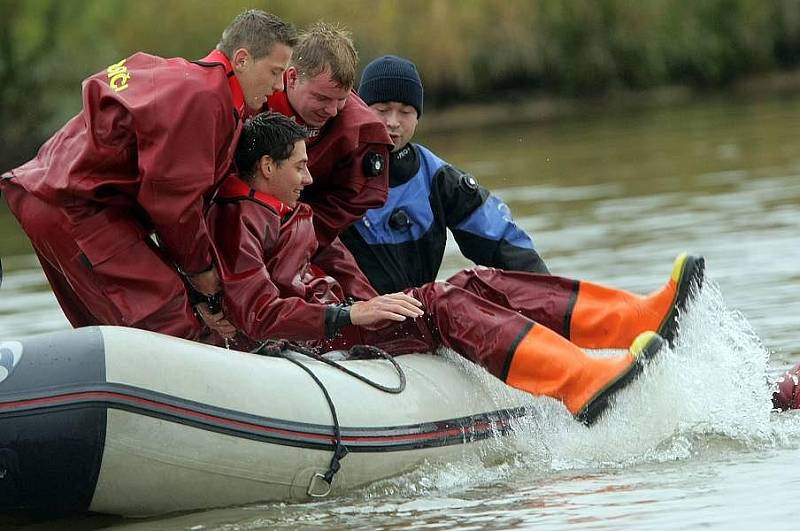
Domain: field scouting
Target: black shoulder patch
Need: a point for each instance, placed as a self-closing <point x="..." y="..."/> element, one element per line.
<point x="468" y="183"/>
<point x="374" y="164"/>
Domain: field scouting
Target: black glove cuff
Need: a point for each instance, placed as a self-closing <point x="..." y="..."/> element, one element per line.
<point x="337" y="316"/>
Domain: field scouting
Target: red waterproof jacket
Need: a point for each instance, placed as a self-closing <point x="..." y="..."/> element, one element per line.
<point x="154" y="138"/>
<point x="348" y="159"/>
<point x="274" y="284"/>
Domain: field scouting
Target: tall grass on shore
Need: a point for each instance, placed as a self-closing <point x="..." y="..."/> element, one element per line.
<point x="466" y="49"/>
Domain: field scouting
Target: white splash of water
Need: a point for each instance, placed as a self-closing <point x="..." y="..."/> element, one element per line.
<point x="712" y="385"/>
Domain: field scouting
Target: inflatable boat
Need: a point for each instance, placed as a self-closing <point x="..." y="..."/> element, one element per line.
<point x="128" y="422"/>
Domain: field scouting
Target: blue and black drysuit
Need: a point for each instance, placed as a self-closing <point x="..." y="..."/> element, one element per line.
<point x="401" y="245"/>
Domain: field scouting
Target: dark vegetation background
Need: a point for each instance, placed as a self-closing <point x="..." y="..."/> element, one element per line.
<point x="467" y="50"/>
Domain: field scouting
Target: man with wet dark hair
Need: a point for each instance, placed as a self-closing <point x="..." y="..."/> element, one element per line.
<point x="273" y="171"/>
<point x="263" y="139"/>
<point x="154" y="138"/>
<point x="530" y="331"/>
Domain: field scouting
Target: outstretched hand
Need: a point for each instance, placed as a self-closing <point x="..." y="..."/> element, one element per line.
<point x="374" y="313"/>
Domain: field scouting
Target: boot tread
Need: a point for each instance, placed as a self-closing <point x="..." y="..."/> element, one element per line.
<point x="687" y="272"/>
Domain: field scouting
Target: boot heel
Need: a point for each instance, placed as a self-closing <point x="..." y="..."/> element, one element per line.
<point x="644" y="348"/>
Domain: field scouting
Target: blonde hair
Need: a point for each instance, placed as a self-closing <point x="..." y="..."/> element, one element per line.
<point x="324" y="47"/>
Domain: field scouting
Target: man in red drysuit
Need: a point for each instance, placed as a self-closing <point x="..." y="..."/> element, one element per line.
<point x="348" y="146"/>
<point x="525" y="328"/>
<point x="145" y="154"/>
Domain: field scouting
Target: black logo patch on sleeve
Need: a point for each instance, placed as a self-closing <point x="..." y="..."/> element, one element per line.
<point x="373" y="164"/>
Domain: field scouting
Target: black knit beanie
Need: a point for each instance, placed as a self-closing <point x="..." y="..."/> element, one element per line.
<point x="391" y="78"/>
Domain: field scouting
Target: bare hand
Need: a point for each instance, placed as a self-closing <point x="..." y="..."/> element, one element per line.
<point x="207" y="282"/>
<point x="374" y="313"/>
<point x="216" y="321"/>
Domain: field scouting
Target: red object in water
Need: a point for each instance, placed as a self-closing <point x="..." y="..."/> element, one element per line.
<point x="788" y="394"/>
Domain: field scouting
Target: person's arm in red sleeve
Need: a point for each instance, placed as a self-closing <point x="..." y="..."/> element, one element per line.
<point x="179" y="162"/>
<point x="252" y="301"/>
<point x="358" y="184"/>
<point x="337" y="261"/>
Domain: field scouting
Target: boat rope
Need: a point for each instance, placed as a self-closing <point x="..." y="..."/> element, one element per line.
<point x="339" y="449"/>
<point x="276" y="347"/>
<point x="280" y="348"/>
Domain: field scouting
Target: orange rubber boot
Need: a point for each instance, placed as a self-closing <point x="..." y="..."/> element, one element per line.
<point x="545" y="363"/>
<point x="609" y="318"/>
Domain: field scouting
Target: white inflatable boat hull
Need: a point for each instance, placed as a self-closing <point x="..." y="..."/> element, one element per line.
<point x="123" y="421"/>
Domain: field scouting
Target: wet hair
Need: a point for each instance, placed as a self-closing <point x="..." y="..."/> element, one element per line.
<point x="256" y="31"/>
<point x="326" y="47"/>
<point x="271" y="134"/>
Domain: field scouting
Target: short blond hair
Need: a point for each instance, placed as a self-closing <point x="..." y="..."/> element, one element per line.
<point x="324" y="47"/>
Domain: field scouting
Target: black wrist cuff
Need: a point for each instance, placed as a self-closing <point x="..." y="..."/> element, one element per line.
<point x="337" y="316"/>
<point x="214" y="301"/>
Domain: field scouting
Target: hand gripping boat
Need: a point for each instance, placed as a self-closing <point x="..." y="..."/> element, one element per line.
<point x="124" y="421"/>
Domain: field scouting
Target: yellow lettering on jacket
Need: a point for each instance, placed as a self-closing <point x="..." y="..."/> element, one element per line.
<point x="118" y="76"/>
